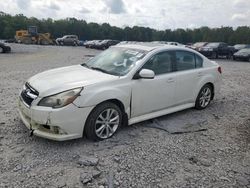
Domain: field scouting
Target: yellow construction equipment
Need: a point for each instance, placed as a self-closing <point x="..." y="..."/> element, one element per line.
<point x="31" y="36"/>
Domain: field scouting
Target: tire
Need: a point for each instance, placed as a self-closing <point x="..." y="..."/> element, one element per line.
<point x="44" y="42"/>
<point x="7" y="49"/>
<point x="27" y="40"/>
<point x="103" y="122"/>
<point x="230" y="56"/>
<point x="214" y="55"/>
<point x="204" y="97"/>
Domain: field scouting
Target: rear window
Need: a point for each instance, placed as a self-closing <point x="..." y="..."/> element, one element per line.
<point x="185" y="60"/>
<point x="199" y="61"/>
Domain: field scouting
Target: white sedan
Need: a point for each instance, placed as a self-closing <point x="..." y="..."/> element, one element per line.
<point x="125" y="84"/>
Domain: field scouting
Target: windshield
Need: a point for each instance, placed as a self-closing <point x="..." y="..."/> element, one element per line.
<point x="213" y="44"/>
<point x="115" y="61"/>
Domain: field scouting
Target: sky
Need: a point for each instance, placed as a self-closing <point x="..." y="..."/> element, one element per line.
<point x="157" y="14"/>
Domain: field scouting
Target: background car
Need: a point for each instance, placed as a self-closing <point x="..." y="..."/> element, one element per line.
<point x="216" y="49"/>
<point x="106" y="44"/>
<point x="168" y="43"/>
<point x="196" y="46"/>
<point x="4" y="48"/>
<point x="175" y="44"/>
<point x="71" y="40"/>
<point x="243" y="54"/>
<point x="92" y="43"/>
<point x="238" y="47"/>
<point x="125" y="84"/>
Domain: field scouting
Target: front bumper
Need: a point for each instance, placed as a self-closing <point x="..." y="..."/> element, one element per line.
<point x="55" y="124"/>
<point x="240" y="57"/>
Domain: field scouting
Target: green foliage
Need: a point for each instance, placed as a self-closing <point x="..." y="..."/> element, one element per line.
<point x="88" y="31"/>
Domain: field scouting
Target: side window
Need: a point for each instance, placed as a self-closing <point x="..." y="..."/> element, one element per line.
<point x="199" y="61"/>
<point x="185" y="60"/>
<point x="160" y="63"/>
<point x="223" y="45"/>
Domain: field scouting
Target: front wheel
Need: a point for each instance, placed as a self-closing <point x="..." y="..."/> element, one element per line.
<point x="204" y="97"/>
<point x="214" y="55"/>
<point x="103" y="122"/>
<point x="230" y="56"/>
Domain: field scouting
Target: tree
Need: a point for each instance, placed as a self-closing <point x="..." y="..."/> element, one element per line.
<point x="88" y="31"/>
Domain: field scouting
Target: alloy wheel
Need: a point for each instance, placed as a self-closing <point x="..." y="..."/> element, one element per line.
<point x="205" y="97"/>
<point x="107" y="123"/>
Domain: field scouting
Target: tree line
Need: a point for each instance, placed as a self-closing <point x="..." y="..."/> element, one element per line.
<point x="89" y="31"/>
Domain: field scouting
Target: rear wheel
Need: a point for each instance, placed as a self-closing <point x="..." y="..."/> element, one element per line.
<point x="204" y="97"/>
<point x="103" y="122"/>
<point x="27" y="40"/>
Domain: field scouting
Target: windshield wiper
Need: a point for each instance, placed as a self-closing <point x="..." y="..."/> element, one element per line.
<point x="104" y="71"/>
<point x="85" y="65"/>
<point x="100" y="69"/>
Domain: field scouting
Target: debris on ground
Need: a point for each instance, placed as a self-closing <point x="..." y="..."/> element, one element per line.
<point x="88" y="161"/>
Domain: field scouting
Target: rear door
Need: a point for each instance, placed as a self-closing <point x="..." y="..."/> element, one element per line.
<point x="189" y="72"/>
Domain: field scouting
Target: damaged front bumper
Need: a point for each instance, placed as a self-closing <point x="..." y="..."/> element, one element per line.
<point x="56" y="124"/>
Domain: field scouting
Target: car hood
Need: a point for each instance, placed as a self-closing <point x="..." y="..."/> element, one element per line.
<point x="66" y="78"/>
<point x="242" y="53"/>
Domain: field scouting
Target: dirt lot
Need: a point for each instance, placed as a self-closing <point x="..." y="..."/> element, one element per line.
<point x="142" y="155"/>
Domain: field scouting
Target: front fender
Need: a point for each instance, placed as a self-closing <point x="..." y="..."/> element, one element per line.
<point x="93" y="97"/>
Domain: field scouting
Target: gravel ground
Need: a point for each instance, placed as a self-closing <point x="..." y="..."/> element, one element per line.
<point x="216" y="153"/>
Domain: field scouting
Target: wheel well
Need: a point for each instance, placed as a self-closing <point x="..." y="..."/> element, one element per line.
<point x="121" y="106"/>
<point x="212" y="86"/>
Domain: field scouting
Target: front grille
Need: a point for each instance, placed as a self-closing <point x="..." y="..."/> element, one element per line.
<point x="29" y="94"/>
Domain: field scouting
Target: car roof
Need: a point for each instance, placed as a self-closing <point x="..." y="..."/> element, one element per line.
<point x="149" y="46"/>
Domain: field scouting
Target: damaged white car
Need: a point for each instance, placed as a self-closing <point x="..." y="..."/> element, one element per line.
<point x="125" y="84"/>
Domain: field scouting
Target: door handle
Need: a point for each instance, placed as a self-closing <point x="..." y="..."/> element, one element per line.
<point x="170" y="80"/>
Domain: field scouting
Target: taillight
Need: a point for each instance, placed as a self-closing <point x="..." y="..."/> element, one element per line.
<point x="219" y="70"/>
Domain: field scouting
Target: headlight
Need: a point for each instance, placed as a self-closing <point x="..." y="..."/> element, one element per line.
<point x="210" y="49"/>
<point x="61" y="99"/>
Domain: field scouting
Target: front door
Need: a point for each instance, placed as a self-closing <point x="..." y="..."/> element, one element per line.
<point x="150" y="95"/>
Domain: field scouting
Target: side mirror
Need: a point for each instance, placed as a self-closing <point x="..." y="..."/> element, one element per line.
<point x="147" y="74"/>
